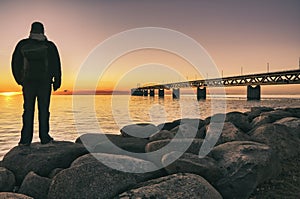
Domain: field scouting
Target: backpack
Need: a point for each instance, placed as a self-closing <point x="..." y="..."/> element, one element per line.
<point x="35" y="56"/>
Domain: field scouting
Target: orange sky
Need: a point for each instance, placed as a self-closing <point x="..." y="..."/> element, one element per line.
<point x="235" y="34"/>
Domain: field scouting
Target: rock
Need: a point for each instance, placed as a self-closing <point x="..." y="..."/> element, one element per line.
<point x="143" y="130"/>
<point x="8" y="195"/>
<point x="41" y="159"/>
<point x="291" y="122"/>
<point x="35" y="186"/>
<point x="130" y="144"/>
<point x="90" y="178"/>
<point x="162" y="135"/>
<point x="246" y="165"/>
<point x="174" y="186"/>
<point x="279" y="137"/>
<point x="168" y="125"/>
<point x="256" y="111"/>
<point x="240" y="120"/>
<point x="206" y="167"/>
<point x="185" y="131"/>
<point x="269" y="117"/>
<point x="229" y="133"/>
<point x="95" y="141"/>
<point x="294" y="111"/>
<point x="216" y="118"/>
<point x="197" y="123"/>
<point x="54" y="172"/>
<point x="7" y="180"/>
<point x="157" y="149"/>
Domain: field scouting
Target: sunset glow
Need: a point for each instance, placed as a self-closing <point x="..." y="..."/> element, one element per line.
<point x="8" y="94"/>
<point x="238" y="35"/>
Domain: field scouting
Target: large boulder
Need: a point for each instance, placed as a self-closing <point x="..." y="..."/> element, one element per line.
<point x="142" y="130"/>
<point x="291" y="122"/>
<point x="168" y="125"/>
<point x="206" y="167"/>
<point x="229" y="133"/>
<point x="240" y="120"/>
<point x="114" y="144"/>
<point x="162" y="135"/>
<point x="157" y="149"/>
<point x="41" y="159"/>
<point x="256" y="111"/>
<point x="9" y="195"/>
<point x="185" y="130"/>
<point x="280" y="138"/>
<point x="269" y="117"/>
<point x="132" y="144"/>
<point x="194" y="122"/>
<point x="294" y="111"/>
<point x="7" y="180"/>
<point x="35" y="186"/>
<point x="174" y="186"/>
<point x="94" y="176"/>
<point x="246" y="165"/>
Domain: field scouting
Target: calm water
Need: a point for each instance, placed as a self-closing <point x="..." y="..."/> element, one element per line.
<point x="73" y="116"/>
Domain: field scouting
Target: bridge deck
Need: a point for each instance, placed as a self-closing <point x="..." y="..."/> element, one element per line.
<point x="273" y="78"/>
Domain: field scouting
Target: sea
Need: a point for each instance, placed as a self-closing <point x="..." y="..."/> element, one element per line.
<point x="74" y="115"/>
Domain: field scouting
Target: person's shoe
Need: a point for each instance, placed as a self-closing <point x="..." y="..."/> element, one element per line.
<point x="24" y="144"/>
<point x="48" y="142"/>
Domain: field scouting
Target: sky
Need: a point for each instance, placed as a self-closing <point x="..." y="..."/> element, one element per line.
<point x="239" y="37"/>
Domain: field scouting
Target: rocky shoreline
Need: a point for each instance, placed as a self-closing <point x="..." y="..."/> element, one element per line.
<point x="257" y="155"/>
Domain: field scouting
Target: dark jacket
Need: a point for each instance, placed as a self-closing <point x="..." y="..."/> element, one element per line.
<point x="54" y="65"/>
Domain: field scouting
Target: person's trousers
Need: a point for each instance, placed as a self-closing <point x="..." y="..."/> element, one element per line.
<point x="42" y="92"/>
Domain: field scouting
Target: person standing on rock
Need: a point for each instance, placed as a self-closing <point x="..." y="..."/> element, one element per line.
<point x="36" y="66"/>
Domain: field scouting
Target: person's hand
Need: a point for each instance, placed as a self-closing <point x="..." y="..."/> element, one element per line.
<point x="56" y="85"/>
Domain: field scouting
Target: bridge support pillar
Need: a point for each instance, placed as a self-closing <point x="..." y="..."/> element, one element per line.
<point x="201" y="93"/>
<point x="152" y="92"/>
<point x="176" y="93"/>
<point x="253" y="92"/>
<point x="161" y="93"/>
<point x="145" y="92"/>
<point x="136" y="92"/>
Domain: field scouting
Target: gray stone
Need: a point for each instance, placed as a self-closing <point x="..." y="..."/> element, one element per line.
<point x="206" y="167"/>
<point x="240" y="120"/>
<point x="130" y="144"/>
<point x="291" y="122"/>
<point x="35" y="186"/>
<point x="246" y="165"/>
<point x="41" y="159"/>
<point x="174" y="186"/>
<point x="269" y="117"/>
<point x="279" y="137"/>
<point x="197" y="123"/>
<point x="162" y="135"/>
<point x="142" y="130"/>
<point x="256" y="111"/>
<point x="229" y="133"/>
<point x="157" y="149"/>
<point x="54" y="172"/>
<point x="294" y="111"/>
<point x="7" y="180"/>
<point x="185" y="130"/>
<point x="168" y="125"/>
<point x="90" y="178"/>
<point x="9" y="195"/>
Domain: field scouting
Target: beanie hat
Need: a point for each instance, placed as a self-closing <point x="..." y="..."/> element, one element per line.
<point x="37" y="27"/>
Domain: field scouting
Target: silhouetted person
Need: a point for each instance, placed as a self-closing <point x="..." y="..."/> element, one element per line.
<point x="36" y="66"/>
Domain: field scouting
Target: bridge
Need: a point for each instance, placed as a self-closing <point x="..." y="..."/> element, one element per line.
<point x="253" y="83"/>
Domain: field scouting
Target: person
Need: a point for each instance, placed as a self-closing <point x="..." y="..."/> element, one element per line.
<point x="36" y="66"/>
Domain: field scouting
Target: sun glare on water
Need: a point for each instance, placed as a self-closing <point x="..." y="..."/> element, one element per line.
<point x="9" y="94"/>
